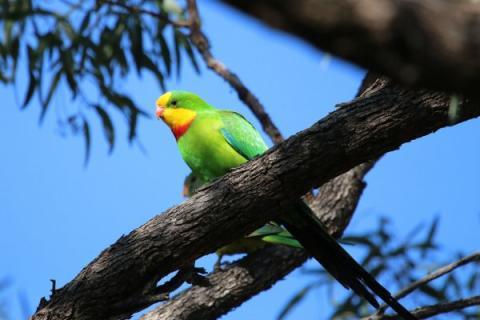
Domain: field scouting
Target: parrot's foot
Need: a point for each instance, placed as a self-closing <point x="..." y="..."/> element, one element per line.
<point x="218" y="264"/>
<point x="196" y="276"/>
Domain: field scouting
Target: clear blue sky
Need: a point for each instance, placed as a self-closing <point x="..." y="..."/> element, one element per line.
<point x="56" y="215"/>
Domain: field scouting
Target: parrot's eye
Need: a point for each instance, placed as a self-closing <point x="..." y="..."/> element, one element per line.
<point x="174" y="103"/>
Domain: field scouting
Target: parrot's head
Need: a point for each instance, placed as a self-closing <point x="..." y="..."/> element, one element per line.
<point x="178" y="109"/>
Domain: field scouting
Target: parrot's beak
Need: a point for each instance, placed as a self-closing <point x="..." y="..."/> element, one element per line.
<point x="159" y="111"/>
<point x="161" y="104"/>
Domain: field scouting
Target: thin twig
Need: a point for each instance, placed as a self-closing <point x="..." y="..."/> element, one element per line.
<point x="203" y="46"/>
<point x="432" y="276"/>
<point x="435" y="309"/>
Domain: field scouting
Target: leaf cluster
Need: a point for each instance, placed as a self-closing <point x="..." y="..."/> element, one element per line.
<point x="89" y="48"/>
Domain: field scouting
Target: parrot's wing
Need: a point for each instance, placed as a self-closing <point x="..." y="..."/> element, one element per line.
<point x="275" y="234"/>
<point x="241" y="135"/>
<point x="268" y="229"/>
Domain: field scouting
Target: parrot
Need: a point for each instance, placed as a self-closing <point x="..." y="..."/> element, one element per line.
<point x="213" y="141"/>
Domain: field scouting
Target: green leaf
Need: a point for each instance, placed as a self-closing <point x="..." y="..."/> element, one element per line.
<point x="473" y="281"/>
<point x="85" y="22"/>
<point x="428" y="242"/>
<point x="136" y="39"/>
<point x="432" y="292"/>
<point x="133" y="121"/>
<point x="15" y="45"/>
<point x="191" y="55"/>
<point x="167" y="58"/>
<point x="451" y="281"/>
<point x="294" y="301"/>
<point x="87" y="137"/>
<point x="67" y="66"/>
<point x="108" y="129"/>
<point x="150" y="65"/>
<point x="32" y="84"/>
<point x="177" y="40"/>
<point x="51" y="91"/>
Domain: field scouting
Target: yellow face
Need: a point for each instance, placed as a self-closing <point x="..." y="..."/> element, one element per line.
<point x="163" y="100"/>
<point x="173" y="116"/>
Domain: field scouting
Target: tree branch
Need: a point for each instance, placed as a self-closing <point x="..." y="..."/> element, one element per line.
<point x="121" y="279"/>
<point x="232" y="286"/>
<point x="432" y="276"/>
<point x="433" y="310"/>
<point x="427" y="43"/>
<point x="259" y="271"/>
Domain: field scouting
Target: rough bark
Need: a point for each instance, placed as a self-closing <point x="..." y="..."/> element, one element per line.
<point x="427" y="43"/>
<point x="122" y="279"/>
<point x="258" y="272"/>
<point x="231" y="287"/>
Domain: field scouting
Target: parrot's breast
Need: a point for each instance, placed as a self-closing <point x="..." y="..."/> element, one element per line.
<point x="205" y="150"/>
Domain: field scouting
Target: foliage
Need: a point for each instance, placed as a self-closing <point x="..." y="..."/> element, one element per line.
<point x="90" y="47"/>
<point x="396" y="262"/>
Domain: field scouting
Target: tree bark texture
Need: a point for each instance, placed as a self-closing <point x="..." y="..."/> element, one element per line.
<point x="123" y="278"/>
<point x="426" y="43"/>
<point x="257" y="272"/>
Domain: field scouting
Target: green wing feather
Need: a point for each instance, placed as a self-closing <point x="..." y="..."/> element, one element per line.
<point x="241" y="135"/>
<point x="275" y="234"/>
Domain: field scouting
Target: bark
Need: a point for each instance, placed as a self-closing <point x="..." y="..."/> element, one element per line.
<point x="259" y="271"/>
<point x="122" y="279"/>
<point x="231" y="287"/>
<point x="427" y="43"/>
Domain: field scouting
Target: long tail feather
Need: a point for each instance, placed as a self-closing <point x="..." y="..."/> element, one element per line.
<point x="311" y="233"/>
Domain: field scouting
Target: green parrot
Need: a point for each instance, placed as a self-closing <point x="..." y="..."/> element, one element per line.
<point x="270" y="233"/>
<point x="213" y="141"/>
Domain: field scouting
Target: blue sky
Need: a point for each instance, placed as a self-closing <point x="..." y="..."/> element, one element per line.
<point x="56" y="215"/>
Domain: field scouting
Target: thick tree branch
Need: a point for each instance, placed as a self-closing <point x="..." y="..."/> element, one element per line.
<point x="257" y="272"/>
<point x="334" y="205"/>
<point x="122" y="279"/>
<point x="428" y="43"/>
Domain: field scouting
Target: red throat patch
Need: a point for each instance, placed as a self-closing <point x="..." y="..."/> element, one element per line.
<point x="179" y="130"/>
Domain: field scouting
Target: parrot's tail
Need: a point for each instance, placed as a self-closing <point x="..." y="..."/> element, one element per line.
<point x="311" y="233"/>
